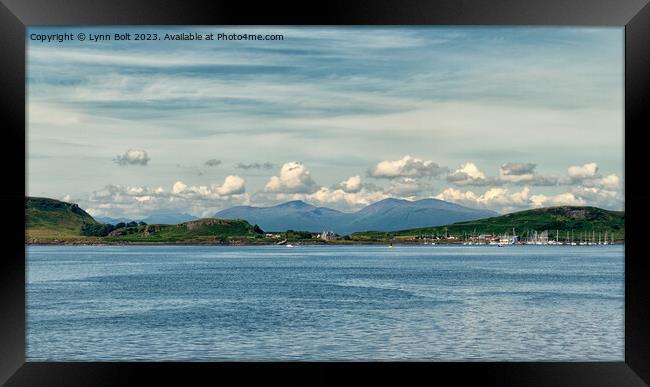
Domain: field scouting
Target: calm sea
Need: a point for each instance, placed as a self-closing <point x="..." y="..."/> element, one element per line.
<point x="448" y="303"/>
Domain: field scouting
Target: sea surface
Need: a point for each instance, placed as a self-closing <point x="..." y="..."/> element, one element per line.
<point x="246" y="303"/>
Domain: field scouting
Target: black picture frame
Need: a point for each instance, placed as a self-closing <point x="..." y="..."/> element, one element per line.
<point x="15" y="15"/>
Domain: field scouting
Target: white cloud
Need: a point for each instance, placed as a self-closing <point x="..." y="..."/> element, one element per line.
<point x="498" y="199"/>
<point x="581" y="172"/>
<point x="137" y="202"/>
<point x="135" y="190"/>
<point x="563" y="199"/>
<point x="457" y="196"/>
<point x="469" y="174"/>
<point x="587" y="176"/>
<point x="232" y="185"/>
<point x="406" y="167"/>
<point x="144" y="198"/>
<point x="594" y="193"/>
<point x="517" y="169"/>
<point x="179" y="187"/>
<point x="132" y="157"/>
<point x="406" y="187"/>
<point x="336" y="197"/>
<point x="524" y="173"/>
<point x="472" y="171"/>
<point x="503" y="200"/>
<point x="600" y="197"/>
<point x="352" y="184"/>
<point x="502" y="197"/>
<point x="610" y="182"/>
<point x="294" y="178"/>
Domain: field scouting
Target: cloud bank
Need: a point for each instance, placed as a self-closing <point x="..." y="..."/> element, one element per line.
<point x="407" y="178"/>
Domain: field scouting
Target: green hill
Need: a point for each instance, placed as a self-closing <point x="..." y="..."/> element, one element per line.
<point x="561" y="219"/>
<point x="52" y="219"/>
<point x="195" y="231"/>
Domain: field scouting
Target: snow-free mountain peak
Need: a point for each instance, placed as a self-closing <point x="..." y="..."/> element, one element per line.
<point x="388" y="215"/>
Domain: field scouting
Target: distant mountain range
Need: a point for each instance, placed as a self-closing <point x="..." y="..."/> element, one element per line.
<point x="159" y="218"/>
<point x="386" y="215"/>
<point x="168" y="218"/>
<point x="109" y="220"/>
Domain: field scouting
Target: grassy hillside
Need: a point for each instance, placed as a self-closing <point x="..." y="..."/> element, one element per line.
<point x="195" y="231"/>
<point x="567" y="218"/>
<point x="53" y="219"/>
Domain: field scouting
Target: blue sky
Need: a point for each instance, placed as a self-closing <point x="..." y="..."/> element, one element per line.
<point x="499" y="118"/>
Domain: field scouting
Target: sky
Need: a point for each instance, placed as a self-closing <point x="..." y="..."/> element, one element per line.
<point x="499" y="118"/>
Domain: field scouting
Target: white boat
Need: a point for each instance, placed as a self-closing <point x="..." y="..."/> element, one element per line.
<point x="289" y="245"/>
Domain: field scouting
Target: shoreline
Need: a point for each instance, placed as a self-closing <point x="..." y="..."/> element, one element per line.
<point x="297" y="244"/>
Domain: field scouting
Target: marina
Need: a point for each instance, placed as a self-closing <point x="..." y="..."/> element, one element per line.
<point x="530" y="238"/>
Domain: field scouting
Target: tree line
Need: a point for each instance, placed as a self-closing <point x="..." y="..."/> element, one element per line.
<point x="101" y="229"/>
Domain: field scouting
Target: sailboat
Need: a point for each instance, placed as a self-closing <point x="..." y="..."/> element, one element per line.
<point x="599" y="240"/>
<point x="572" y="242"/>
